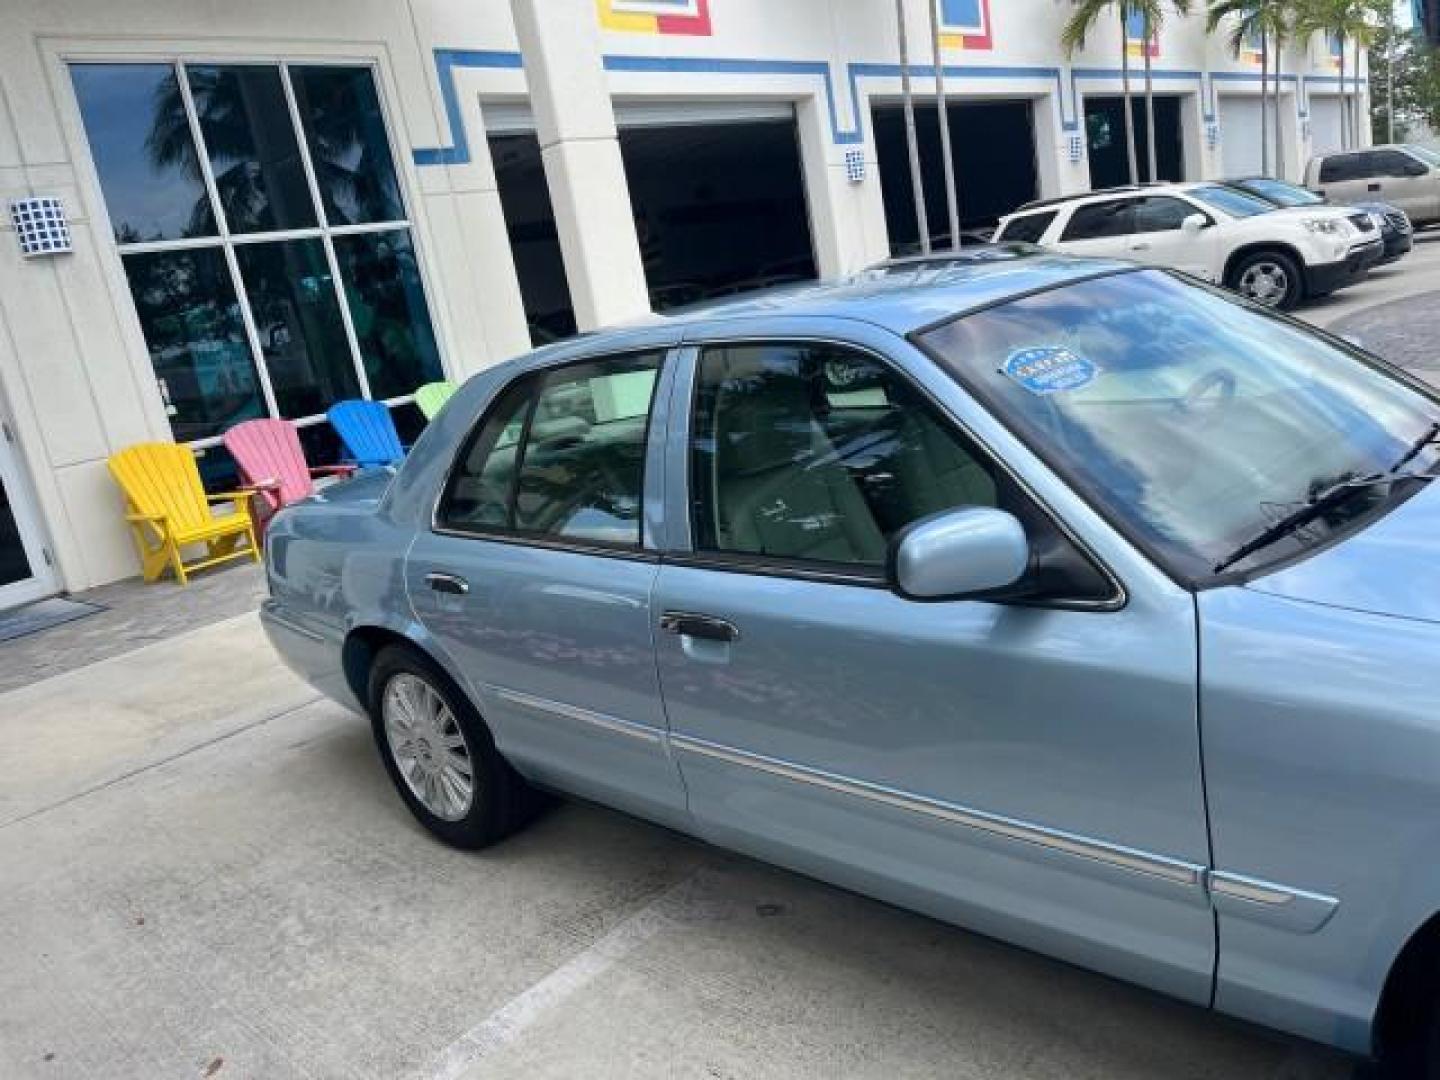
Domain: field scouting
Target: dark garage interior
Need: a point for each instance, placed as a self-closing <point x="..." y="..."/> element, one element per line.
<point x="719" y="208"/>
<point x="994" y="148"/>
<point x="1105" y="138"/>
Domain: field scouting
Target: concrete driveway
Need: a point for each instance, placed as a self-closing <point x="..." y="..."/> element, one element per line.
<point x="204" y="872"/>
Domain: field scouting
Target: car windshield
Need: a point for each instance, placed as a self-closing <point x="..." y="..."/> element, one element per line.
<point x="1189" y="419"/>
<point x="1278" y="191"/>
<point x="1226" y="199"/>
<point x="1430" y="157"/>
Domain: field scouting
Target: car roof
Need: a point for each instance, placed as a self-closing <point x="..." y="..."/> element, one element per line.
<point x="1148" y="188"/>
<point x="903" y="295"/>
<point x="1252" y="177"/>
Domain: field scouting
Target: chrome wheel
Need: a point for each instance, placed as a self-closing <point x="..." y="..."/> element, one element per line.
<point x="1266" y="282"/>
<point x="428" y="746"/>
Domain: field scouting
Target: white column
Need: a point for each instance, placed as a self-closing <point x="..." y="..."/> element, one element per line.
<point x="1195" y="161"/>
<point x="1293" y="152"/>
<point x="847" y="217"/>
<point x="1057" y="173"/>
<point x="560" y="42"/>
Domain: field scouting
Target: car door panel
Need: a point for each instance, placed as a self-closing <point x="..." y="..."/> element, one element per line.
<point x="1100" y="229"/>
<point x="553" y="634"/>
<point x="1158" y="239"/>
<point x="556" y="647"/>
<point x="1030" y="771"/>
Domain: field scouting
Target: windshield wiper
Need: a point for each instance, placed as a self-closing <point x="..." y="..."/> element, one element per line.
<point x="1308" y="511"/>
<point x="1432" y="434"/>
<point x="1332" y="496"/>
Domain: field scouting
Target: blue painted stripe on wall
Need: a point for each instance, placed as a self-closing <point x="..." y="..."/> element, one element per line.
<point x="446" y="60"/>
<point x="458" y="152"/>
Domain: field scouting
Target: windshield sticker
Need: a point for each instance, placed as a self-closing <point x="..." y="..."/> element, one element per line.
<point x="1050" y="369"/>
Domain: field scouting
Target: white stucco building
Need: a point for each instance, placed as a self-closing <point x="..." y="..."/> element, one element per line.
<point x="276" y="204"/>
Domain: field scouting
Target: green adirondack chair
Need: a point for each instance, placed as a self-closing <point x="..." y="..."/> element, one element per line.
<point x="431" y="397"/>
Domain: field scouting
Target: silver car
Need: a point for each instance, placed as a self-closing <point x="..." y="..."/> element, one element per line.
<point x="1074" y="602"/>
<point x="1403" y="175"/>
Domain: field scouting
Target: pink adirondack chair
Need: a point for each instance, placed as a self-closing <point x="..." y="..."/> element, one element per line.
<point x="272" y="462"/>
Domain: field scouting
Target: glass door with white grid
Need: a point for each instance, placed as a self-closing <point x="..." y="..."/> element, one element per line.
<point x="265" y="241"/>
<point x="25" y="571"/>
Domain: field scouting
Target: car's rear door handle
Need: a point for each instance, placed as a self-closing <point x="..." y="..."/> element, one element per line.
<point x="1373" y="187"/>
<point x="1140" y="247"/>
<point x="705" y="627"/>
<point x="447" y="583"/>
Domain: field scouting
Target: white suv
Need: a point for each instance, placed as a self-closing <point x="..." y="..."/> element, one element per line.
<point x="1274" y="256"/>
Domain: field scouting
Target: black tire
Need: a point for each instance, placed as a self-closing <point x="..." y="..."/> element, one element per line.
<point x="1258" y="277"/>
<point x="500" y="801"/>
<point x="1411" y="1049"/>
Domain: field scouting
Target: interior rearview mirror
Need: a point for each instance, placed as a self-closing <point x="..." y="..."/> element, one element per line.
<point x="970" y="551"/>
<point x="1193" y="224"/>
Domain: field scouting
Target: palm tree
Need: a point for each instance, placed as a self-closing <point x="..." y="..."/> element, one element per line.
<point x="1152" y="17"/>
<point x="1269" y="21"/>
<point x="1087" y="14"/>
<point x="1342" y="21"/>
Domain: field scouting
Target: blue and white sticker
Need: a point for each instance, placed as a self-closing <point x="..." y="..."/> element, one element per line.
<point x="1050" y="369"/>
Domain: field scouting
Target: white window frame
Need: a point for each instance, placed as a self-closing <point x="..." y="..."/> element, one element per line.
<point x="227" y="241"/>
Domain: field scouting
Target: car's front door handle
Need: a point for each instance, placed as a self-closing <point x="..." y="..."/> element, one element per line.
<point x="1373" y="187"/>
<point x="705" y="627"/>
<point x="447" y="583"/>
<point x="1139" y="247"/>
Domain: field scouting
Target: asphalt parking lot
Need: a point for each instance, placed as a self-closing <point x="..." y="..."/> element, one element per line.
<point x="204" y="872"/>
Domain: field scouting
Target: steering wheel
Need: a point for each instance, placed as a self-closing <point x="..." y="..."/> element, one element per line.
<point x="1216" y="380"/>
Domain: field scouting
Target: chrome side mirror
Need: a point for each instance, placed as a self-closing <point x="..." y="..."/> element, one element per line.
<point x="969" y="551"/>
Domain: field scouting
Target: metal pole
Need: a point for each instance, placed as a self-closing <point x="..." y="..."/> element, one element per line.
<point x="1390" y="76"/>
<point x="952" y="194"/>
<point x="916" y="184"/>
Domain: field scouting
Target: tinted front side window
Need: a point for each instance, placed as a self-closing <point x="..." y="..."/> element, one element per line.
<point x="1028" y="229"/>
<point x="1389" y="163"/>
<point x="560" y="455"/>
<point x="819" y="453"/>
<point x="1098" y="220"/>
<point x="1160" y="213"/>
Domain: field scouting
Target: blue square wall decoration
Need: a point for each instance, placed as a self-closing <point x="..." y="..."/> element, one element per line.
<point x="40" y="225"/>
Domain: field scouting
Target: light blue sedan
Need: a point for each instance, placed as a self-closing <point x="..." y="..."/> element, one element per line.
<point x="1079" y="604"/>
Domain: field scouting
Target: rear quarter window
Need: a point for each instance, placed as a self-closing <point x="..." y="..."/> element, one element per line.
<point x="1027" y="229"/>
<point x="1340" y="167"/>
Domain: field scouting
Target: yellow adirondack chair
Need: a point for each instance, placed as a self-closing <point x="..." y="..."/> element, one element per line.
<point x="168" y="510"/>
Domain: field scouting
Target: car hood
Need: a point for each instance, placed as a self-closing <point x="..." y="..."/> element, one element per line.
<point x="1300" y="212"/>
<point x="1392" y="567"/>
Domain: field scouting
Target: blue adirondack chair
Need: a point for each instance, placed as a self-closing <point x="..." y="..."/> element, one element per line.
<point x="368" y="432"/>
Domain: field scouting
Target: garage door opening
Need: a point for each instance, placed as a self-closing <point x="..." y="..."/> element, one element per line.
<point x="1241" y="121"/>
<point x="719" y="208"/>
<point x="1105" y="137"/>
<point x="1326" y="124"/>
<point x="994" y="148"/>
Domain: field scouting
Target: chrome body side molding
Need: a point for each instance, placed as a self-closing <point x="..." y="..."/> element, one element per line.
<point x="614" y="724"/>
<point x="1176" y="872"/>
<point x="1264" y="901"/>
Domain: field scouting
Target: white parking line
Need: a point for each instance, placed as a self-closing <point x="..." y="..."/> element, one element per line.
<point x="510" y="1021"/>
